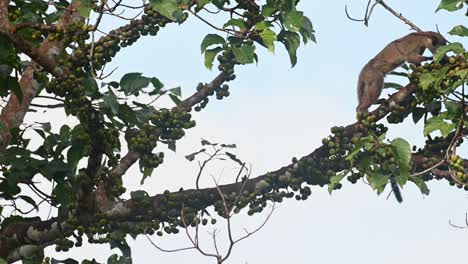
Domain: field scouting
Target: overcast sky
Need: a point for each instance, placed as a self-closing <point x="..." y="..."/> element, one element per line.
<point x="275" y="113"/>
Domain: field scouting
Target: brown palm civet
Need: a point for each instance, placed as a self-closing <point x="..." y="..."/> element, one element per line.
<point x="406" y="49"/>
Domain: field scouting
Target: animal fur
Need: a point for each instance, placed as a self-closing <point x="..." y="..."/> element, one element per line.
<point x="406" y="49"/>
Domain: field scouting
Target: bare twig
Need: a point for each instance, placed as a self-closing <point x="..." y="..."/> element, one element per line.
<point x="202" y="167"/>
<point x="358" y="20"/>
<point x="399" y="15"/>
<point x="226" y="30"/>
<point x="460" y="227"/>
<point x="370" y="9"/>
<point x="227" y="214"/>
<point x="248" y="234"/>
<point x="240" y="172"/>
<point x="429" y="170"/>
<point x="165" y="250"/>
<point x="48" y="106"/>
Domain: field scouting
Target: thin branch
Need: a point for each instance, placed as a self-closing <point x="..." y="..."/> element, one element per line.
<point x="200" y="171"/>
<point x="34" y="25"/>
<point x="48" y="106"/>
<point x="460" y="227"/>
<point x="226" y="30"/>
<point x="240" y="172"/>
<point x="354" y="19"/>
<point x="370" y="10"/>
<point x="50" y="97"/>
<point x="165" y="250"/>
<point x="126" y="6"/>
<point x="248" y="234"/>
<point x="429" y="170"/>
<point x="398" y="15"/>
<point x="215" y="242"/>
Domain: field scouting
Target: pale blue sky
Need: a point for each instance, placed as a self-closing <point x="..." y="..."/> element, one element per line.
<point x="274" y="113"/>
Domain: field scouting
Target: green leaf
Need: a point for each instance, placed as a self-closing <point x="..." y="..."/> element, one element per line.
<point x="427" y="80"/>
<point x="133" y="83"/>
<point x="46" y="126"/>
<point x="268" y="10"/>
<point x="462" y="73"/>
<point x="402" y="74"/>
<point x="456" y="47"/>
<point x="41" y="133"/>
<point x="115" y="259"/>
<point x="201" y="4"/>
<point x="307" y="30"/>
<point x="111" y="102"/>
<point x="74" y="154"/>
<point x="85" y="7"/>
<point x="114" y="84"/>
<point x="263" y="25"/>
<point x="438" y="123"/>
<point x="52" y="17"/>
<point x="450" y="5"/>
<point x="291" y="41"/>
<point x="91" y="86"/>
<point x="293" y="20"/>
<point x="12" y="84"/>
<point x="206" y="142"/>
<point x="459" y="30"/>
<point x="335" y="180"/>
<point x="147" y="172"/>
<point x="210" y="56"/>
<point x="158" y="85"/>
<point x="128" y="115"/>
<point x="66" y="261"/>
<point x="392" y="85"/>
<point x="2" y="261"/>
<point x="421" y="185"/>
<point x="268" y="37"/>
<point x="5" y="70"/>
<point x="402" y="179"/>
<point x="418" y="113"/>
<point x="402" y="152"/>
<point x="165" y="7"/>
<point x="234" y="158"/>
<point x="176" y="91"/>
<point x="454" y="110"/>
<point x="244" y="54"/>
<point x="172" y="145"/>
<point x="433" y="79"/>
<point x="211" y="39"/>
<point x="65" y="133"/>
<point x="175" y="99"/>
<point x="8" y="55"/>
<point x="358" y="146"/>
<point x="237" y="22"/>
<point x="377" y="181"/>
<point x="30" y="201"/>
<point x="192" y="156"/>
<point x="178" y="16"/>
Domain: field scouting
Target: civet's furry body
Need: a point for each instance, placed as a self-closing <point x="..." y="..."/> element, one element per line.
<point x="406" y="49"/>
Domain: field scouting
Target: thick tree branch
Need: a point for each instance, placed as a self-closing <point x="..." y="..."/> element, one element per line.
<point x="43" y="233"/>
<point x="22" y="239"/>
<point x="129" y="208"/>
